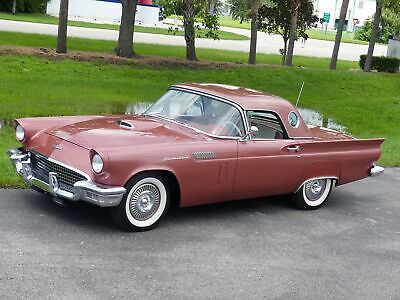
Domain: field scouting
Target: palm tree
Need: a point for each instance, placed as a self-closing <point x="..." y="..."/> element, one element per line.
<point x="62" y="27"/>
<point x="339" y="32"/>
<point x="126" y="29"/>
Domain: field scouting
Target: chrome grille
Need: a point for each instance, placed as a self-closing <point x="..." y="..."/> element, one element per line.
<point x="42" y="166"/>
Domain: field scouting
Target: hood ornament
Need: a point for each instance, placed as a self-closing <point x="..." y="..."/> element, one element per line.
<point x="57" y="147"/>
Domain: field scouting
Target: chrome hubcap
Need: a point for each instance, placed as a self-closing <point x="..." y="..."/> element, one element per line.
<point x="315" y="188"/>
<point x="144" y="202"/>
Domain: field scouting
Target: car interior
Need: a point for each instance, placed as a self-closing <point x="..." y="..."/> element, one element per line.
<point x="268" y="124"/>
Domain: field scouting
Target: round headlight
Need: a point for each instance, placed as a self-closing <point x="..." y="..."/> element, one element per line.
<point x="20" y="133"/>
<point x="97" y="163"/>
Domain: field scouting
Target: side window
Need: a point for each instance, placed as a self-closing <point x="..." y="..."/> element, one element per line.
<point x="268" y="124"/>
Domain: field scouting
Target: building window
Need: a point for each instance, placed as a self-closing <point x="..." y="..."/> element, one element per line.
<point x="361" y="5"/>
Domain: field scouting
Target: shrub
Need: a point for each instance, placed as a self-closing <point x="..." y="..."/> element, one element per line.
<point x="26" y="6"/>
<point x="382" y="63"/>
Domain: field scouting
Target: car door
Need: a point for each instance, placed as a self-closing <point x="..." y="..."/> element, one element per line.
<point x="269" y="163"/>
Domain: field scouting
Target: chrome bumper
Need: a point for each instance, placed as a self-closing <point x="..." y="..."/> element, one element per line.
<point x="101" y="195"/>
<point x="376" y="170"/>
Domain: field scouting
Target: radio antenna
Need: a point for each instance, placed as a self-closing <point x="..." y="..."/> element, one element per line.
<point x="301" y="91"/>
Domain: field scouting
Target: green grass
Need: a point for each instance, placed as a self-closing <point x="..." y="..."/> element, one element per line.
<point x="227" y="21"/>
<point x="367" y="103"/>
<point x="318" y="34"/>
<point x="347" y="37"/>
<point x="41" y="18"/>
<point x="47" y="41"/>
<point x="8" y="178"/>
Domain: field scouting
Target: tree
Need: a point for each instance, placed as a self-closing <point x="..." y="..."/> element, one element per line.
<point x="275" y="18"/>
<point x="14" y="7"/>
<point x="294" y="11"/>
<point x="380" y="4"/>
<point x="245" y="10"/>
<point x="193" y="10"/>
<point x="240" y="10"/>
<point x="126" y="29"/>
<point x="254" y="6"/>
<point x="25" y="6"/>
<point x="339" y="32"/>
<point x="62" y="27"/>
<point x="390" y="25"/>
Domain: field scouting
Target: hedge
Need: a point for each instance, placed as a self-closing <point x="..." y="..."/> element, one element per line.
<point x="382" y="63"/>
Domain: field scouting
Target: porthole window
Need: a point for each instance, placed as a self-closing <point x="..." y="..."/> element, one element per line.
<point x="293" y="119"/>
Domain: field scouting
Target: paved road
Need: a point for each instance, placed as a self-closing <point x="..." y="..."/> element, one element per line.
<point x="349" y="249"/>
<point x="266" y="43"/>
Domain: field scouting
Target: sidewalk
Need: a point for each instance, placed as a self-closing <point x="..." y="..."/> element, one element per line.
<point x="269" y="44"/>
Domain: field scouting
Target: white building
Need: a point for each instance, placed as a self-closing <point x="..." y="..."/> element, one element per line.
<point x="358" y="11"/>
<point x="105" y="11"/>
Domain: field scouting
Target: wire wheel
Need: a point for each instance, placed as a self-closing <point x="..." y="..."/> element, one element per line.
<point x="144" y="204"/>
<point x="313" y="193"/>
<point x="314" y="189"/>
<point x="144" y="201"/>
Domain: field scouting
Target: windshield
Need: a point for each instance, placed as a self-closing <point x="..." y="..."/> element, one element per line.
<point x="206" y="114"/>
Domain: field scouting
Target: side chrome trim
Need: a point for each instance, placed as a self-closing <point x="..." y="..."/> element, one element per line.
<point x="335" y="178"/>
<point x="376" y="170"/>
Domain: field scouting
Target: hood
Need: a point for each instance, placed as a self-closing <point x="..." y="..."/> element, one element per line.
<point x="120" y="131"/>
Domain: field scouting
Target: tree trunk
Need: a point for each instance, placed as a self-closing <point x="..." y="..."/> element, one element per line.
<point x="212" y="7"/>
<point x="285" y="42"/>
<point x="14" y="7"/>
<point x="126" y="29"/>
<point x="292" y="33"/>
<point x="339" y="32"/>
<point x="253" y="34"/>
<point x="62" y="27"/>
<point x="374" y="34"/>
<point x="190" y="34"/>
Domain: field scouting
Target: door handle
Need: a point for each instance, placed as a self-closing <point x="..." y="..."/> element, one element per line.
<point x="294" y="148"/>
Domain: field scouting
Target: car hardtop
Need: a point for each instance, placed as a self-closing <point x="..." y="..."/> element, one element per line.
<point x="252" y="100"/>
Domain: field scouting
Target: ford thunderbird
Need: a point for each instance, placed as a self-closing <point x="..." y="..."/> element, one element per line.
<point x="198" y="144"/>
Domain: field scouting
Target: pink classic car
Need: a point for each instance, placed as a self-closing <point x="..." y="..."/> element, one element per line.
<point x="198" y="144"/>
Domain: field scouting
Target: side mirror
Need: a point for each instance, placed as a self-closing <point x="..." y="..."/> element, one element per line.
<point x="253" y="129"/>
<point x="250" y="134"/>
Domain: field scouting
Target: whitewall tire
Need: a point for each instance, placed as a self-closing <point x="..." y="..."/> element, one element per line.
<point x="144" y="204"/>
<point x="313" y="193"/>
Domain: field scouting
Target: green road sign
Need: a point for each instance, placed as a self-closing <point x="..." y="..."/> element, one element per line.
<point x="327" y="16"/>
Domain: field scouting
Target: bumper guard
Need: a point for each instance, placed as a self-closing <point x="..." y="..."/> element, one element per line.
<point x="86" y="190"/>
<point x="376" y="170"/>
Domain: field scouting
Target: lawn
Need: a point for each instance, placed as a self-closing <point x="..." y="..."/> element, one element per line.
<point x="318" y="34"/>
<point x="227" y="21"/>
<point x="47" y="41"/>
<point x="366" y="103"/>
<point x="329" y="35"/>
<point x="46" y="19"/>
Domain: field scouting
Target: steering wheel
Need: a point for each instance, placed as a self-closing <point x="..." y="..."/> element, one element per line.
<point x="233" y="126"/>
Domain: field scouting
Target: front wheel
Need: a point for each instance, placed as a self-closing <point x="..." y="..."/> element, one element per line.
<point x="144" y="204"/>
<point x="313" y="193"/>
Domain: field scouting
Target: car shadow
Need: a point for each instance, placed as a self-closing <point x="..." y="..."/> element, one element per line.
<point x="77" y="213"/>
<point x="95" y="218"/>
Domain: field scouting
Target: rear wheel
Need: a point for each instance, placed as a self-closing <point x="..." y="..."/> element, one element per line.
<point x="144" y="204"/>
<point x="313" y="193"/>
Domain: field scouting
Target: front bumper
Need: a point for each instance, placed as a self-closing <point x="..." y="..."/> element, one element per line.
<point x="86" y="190"/>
